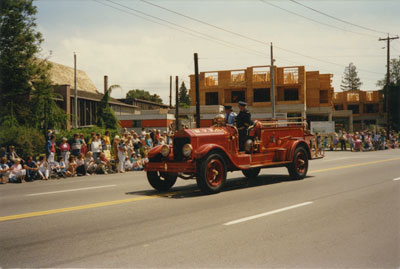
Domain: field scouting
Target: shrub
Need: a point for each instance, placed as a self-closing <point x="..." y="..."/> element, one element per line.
<point x="27" y="141"/>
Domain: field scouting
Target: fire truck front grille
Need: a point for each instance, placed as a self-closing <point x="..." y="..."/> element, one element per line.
<point x="178" y="145"/>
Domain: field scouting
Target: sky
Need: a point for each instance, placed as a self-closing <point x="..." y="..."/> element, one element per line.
<point x="140" y="45"/>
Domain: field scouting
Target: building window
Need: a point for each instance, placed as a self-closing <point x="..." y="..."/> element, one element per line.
<point x="291" y="94"/>
<point x="262" y="95"/>
<point x="291" y="75"/>
<point x="354" y="108"/>
<point x="211" y="98"/>
<point x="371" y="108"/>
<point x="323" y="96"/>
<point x="136" y="123"/>
<point x="238" y="96"/>
<point x="339" y="107"/>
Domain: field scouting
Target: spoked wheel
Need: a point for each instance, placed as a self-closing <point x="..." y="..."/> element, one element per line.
<point x="251" y="173"/>
<point x="298" y="168"/>
<point x="161" y="181"/>
<point x="212" y="174"/>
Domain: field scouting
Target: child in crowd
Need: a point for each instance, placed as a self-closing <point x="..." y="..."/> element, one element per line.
<point x="80" y="166"/>
<point x="63" y="167"/>
<point x="103" y="165"/>
<point x="44" y="169"/>
<point x="71" y="170"/>
<point x="4" y="171"/>
<point x="31" y="168"/>
<point x="90" y="163"/>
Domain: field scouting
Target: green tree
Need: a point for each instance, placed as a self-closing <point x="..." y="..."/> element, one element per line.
<point x="184" y="98"/>
<point x="22" y="74"/>
<point x="350" y="80"/>
<point x="144" y="95"/>
<point x="105" y="115"/>
<point x="394" y="73"/>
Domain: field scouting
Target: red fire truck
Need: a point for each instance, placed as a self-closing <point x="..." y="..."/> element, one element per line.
<point x="207" y="154"/>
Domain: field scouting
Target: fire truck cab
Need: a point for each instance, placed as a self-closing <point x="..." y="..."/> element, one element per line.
<point x="207" y="154"/>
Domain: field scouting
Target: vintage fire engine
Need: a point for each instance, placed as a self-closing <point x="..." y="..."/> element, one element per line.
<point x="207" y="154"/>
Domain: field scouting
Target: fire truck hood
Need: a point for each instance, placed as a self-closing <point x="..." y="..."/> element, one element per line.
<point x="199" y="132"/>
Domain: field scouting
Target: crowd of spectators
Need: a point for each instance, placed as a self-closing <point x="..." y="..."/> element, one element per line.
<point x="77" y="157"/>
<point x="358" y="141"/>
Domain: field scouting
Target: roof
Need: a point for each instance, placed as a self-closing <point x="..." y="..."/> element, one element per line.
<point x="97" y="96"/>
<point x="61" y="75"/>
<point x="144" y="101"/>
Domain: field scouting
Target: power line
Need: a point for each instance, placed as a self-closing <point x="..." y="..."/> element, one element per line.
<point x="322" y="23"/>
<point x="210" y="38"/>
<point x="335" y="18"/>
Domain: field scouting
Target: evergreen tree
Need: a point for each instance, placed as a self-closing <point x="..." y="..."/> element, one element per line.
<point x="21" y="73"/>
<point x="350" y="80"/>
<point x="184" y="98"/>
<point x="105" y="115"/>
<point x="394" y="73"/>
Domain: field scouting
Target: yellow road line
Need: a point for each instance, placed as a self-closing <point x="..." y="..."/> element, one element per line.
<point x="352" y="165"/>
<point x="130" y="200"/>
<point x="81" y="207"/>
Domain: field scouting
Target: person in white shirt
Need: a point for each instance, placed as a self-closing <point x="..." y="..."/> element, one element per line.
<point x="17" y="172"/>
<point x="96" y="147"/>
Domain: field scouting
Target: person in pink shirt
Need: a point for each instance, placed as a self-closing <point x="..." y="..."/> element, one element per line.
<point x="65" y="148"/>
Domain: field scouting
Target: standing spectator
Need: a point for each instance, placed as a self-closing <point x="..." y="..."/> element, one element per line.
<point x="116" y="142"/>
<point x="84" y="147"/>
<point x="3" y="152"/>
<point x="335" y="140"/>
<point x="4" y="170"/>
<point x="342" y="140"/>
<point x="351" y="142"/>
<point x="65" y="148"/>
<point x="51" y="148"/>
<point x="44" y="168"/>
<point x="143" y="133"/>
<point x="121" y="156"/>
<point x="17" y="174"/>
<point x="129" y="145"/>
<point x="31" y="169"/>
<point x="96" y="147"/>
<point x="136" y="143"/>
<point x="76" y="145"/>
<point x="80" y="165"/>
<point x="107" y="140"/>
<point x="71" y="170"/>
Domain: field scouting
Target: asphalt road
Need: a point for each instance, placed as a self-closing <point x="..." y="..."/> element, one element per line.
<point x="346" y="213"/>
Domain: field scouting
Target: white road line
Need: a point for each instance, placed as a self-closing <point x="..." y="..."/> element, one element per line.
<point x="267" y="213"/>
<point x="395" y="179"/>
<point x="81" y="189"/>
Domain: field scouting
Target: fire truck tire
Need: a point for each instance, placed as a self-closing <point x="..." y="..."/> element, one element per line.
<point x="251" y="173"/>
<point x="298" y="168"/>
<point x="161" y="181"/>
<point x="211" y="174"/>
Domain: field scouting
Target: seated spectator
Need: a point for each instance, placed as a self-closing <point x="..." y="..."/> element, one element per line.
<point x="90" y="163"/>
<point x="139" y="163"/>
<point x="56" y="170"/>
<point x="31" y="169"/>
<point x="71" y="169"/>
<point x="103" y="165"/>
<point x="17" y="174"/>
<point x="44" y="168"/>
<point x="12" y="155"/>
<point x="80" y="166"/>
<point x="63" y="167"/>
<point x="4" y="170"/>
<point x="3" y="152"/>
<point x="145" y="159"/>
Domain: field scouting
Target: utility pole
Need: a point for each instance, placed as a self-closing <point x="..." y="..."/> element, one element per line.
<point x="176" y="104"/>
<point x="170" y="91"/>
<point x="105" y="84"/>
<point x="388" y="76"/>
<point x="272" y="82"/>
<point x="196" y="77"/>
<point x="76" y="94"/>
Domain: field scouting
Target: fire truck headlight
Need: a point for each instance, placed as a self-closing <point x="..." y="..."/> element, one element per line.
<point x="187" y="150"/>
<point x="248" y="145"/>
<point x="165" y="150"/>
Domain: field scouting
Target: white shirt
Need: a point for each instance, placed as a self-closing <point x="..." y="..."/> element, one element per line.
<point x="96" y="146"/>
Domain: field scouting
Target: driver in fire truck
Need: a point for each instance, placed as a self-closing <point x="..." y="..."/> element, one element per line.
<point x="243" y="121"/>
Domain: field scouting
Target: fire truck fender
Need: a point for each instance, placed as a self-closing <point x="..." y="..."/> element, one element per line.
<point x="154" y="151"/>
<point x="203" y="150"/>
<point x="295" y="145"/>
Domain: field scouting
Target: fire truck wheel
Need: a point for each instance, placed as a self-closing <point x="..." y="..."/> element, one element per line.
<point x="251" y="173"/>
<point x="161" y="181"/>
<point x="211" y="174"/>
<point x="298" y="168"/>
